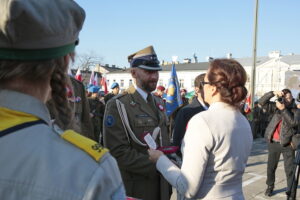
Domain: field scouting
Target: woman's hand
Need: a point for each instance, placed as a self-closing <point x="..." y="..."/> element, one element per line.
<point x="154" y="154"/>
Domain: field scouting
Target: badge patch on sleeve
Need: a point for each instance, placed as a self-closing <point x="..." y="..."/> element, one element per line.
<point x="109" y="121"/>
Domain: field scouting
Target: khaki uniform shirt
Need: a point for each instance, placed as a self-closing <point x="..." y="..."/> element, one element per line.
<point x="139" y="174"/>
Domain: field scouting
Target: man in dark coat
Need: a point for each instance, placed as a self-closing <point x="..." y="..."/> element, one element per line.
<point x="256" y="124"/>
<point x="187" y="112"/>
<point x="97" y="109"/>
<point x="279" y="133"/>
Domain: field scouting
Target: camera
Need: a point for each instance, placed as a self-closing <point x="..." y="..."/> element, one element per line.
<point x="281" y="99"/>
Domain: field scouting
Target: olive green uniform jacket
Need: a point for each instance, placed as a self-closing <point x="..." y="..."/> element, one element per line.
<point x="82" y="110"/>
<point x="97" y="109"/>
<point x="79" y="103"/>
<point x="139" y="174"/>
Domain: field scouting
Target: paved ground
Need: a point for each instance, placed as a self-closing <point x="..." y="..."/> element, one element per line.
<point x="255" y="175"/>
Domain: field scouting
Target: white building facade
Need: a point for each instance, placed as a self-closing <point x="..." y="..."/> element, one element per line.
<point x="272" y="73"/>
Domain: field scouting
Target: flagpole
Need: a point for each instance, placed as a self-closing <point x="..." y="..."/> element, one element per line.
<point x="253" y="73"/>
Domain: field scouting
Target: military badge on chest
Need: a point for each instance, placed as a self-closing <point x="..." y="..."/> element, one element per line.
<point x="160" y="107"/>
<point x="132" y="103"/>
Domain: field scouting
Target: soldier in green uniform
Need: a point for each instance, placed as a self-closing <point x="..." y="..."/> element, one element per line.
<point x="97" y="111"/>
<point x="80" y="109"/>
<point x="128" y="118"/>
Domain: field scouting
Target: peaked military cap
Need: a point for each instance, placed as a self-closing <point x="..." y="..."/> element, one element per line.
<point x="145" y="59"/>
<point x="39" y="29"/>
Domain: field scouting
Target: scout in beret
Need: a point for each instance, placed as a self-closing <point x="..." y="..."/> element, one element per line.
<point x="128" y="118"/>
<point x="37" y="43"/>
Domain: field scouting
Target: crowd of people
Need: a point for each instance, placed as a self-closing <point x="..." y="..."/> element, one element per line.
<point x="68" y="143"/>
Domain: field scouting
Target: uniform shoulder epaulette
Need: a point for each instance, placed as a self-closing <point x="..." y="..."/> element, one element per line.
<point x="94" y="149"/>
<point x="120" y="95"/>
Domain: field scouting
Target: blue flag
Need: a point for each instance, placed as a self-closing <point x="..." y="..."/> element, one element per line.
<point x="173" y="100"/>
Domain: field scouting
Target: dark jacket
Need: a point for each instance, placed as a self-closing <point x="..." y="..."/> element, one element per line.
<point x="182" y="119"/>
<point x="289" y="116"/>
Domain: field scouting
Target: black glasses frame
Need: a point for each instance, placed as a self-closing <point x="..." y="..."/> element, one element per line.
<point x="204" y="82"/>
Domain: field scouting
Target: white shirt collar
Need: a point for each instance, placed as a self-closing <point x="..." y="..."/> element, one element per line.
<point x="141" y="92"/>
<point x="203" y="104"/>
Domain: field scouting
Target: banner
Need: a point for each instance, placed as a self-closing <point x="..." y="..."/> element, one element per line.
<point x="173" y="100"/>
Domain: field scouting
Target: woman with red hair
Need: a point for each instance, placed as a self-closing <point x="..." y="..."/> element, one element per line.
<point x="217" y="142"/>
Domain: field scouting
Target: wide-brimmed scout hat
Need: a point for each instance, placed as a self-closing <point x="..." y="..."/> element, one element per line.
<point x="39" y="29"/>
<point x="145" y="59"/>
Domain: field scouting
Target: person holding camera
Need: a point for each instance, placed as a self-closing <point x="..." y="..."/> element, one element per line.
<point x="279" y="132"/>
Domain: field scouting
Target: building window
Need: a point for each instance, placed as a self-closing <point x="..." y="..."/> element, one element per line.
<point x="114" y="80"/>
<point x="181" y="83"/>
<point x="130" y="82"/>
<point x="122" y="83"/>
<point x="107" y="82"/>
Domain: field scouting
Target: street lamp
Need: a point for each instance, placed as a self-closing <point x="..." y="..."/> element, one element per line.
<point x="254" y="55"/>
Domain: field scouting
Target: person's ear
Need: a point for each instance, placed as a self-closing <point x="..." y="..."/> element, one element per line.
<point x="214" y="90"/>
<point x="67" y="59"/>
<point x="133" y="73"/>
<point x="197" y="90"/>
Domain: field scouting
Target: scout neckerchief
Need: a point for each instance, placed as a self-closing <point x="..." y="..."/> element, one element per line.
<point x="12" y="121"/>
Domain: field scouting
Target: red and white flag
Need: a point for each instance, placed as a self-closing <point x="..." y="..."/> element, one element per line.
<point x="92" y="78"/>
<point x="78" y="75"/>
<point x="96" y="79"/>
<point x="104" y="84"/>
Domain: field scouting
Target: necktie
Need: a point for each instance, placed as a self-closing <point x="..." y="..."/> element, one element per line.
<point x="150" y="101"/>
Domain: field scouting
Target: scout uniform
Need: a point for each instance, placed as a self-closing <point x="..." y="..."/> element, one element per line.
<point x="126" y="142"/>
<point x="38" y="159"/>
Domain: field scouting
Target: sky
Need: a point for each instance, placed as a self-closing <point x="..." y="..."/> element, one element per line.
<point x="114" y="29"/>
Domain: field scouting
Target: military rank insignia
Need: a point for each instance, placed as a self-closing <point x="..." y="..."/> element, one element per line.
<point x="132" y="103"/>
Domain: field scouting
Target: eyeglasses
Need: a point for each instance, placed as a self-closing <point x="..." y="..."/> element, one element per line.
<point x="204" y="82"/>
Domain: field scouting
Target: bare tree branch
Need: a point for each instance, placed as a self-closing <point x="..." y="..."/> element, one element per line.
<point x="87" y="61"/>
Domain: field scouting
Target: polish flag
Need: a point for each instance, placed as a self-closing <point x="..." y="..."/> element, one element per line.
<point x="96" y="80"/>
<point x="78" y="75"/>
<point x="104" y="84"/>
<point x="92" y="78"/>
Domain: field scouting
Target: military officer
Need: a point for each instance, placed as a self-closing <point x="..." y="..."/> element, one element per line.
<point x="128" y="118"/>
<point x="38" y="159"/>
